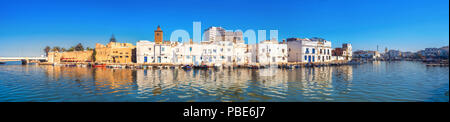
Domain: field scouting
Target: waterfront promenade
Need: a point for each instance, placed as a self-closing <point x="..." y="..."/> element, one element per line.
<point x="290" y="65"/>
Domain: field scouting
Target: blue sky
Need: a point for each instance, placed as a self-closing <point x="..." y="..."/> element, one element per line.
<point x="26" y="27"/>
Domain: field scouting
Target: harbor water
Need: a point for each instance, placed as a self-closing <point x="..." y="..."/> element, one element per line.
<point x="399" y="81"/>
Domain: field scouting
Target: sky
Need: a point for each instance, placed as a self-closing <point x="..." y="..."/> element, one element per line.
<point x="27" y="26"/>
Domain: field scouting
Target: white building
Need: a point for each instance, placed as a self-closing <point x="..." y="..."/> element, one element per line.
<point x="367" y="54"/>
<point x="343" y="53"/>
<point x="214" y="34"/>
<point x="149" y="52"/>
<point x="393" y="54"/>
<point x="269" y="52"/>
<point x="307" y="50"/>
<point x="205" y="53"/>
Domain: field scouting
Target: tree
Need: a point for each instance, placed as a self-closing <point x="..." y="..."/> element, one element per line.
<point x="88" y="48"/>
<point x="63" y="49"/>
<point x="71" y="49"/>
<point x="46" y="50"/>
<point x="79" y="47"/>
<point x="56" y="49"/>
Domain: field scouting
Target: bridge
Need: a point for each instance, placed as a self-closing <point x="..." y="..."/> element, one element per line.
<point x="25" y="60"/>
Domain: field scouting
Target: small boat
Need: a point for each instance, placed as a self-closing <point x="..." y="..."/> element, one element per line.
<point x="2" y="62"/>
<point x="99" y="65"/>
<point x="290" y="67"/>
<point x="187" y="67"/>
<point x="217" y="66"/>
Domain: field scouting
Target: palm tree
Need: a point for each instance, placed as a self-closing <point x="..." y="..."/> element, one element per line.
<point x="88" y="48"/>
<point x="71" y="49"/>
<point x="46" y="50"/>
<point x="79" y="47"/>
<point x="56" y="49"/>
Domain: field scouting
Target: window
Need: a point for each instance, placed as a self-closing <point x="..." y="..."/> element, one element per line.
<point x="190" y="49"/>
<point x="150" y="49"/>
<point x="306" y="57"/>
<point x="313" y="51"/>
<point x="307" y="50"/>
<point x="162" y="49"/>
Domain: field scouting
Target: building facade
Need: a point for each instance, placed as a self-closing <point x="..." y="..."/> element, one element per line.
<point x="115" y="52"/>
<point x="219" y="48"/>
<point x="342" y="53"/>
<point x="269" y="52"/>
<point x="307" y="51"/>
<point x="71" y="56"/>
<point x="366" y="54"/>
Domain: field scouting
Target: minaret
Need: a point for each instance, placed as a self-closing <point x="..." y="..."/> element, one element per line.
<point x="113" y="39"/>
<point x="158" y="35"/>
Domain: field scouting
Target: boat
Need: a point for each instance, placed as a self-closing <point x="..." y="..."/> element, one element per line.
<point x="99" y="65"/>
<point x="187" y="67"/>
<point x="2" y="62"/>
<point x="217" y="66"/>
<point x="290" y="67"/>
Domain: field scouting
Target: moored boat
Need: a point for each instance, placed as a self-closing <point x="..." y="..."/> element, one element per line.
<point x="99" y="65"/>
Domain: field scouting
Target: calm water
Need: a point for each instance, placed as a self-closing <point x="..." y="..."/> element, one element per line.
<point x="378" y="81"/>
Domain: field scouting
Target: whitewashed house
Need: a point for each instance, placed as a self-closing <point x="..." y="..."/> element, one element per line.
<point x="269" y="52"/>
<point x="309" y="50"/>
<point x="149" y="52"/>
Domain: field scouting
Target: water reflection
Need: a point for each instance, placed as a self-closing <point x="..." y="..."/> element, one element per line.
<point x="209" y="85"/>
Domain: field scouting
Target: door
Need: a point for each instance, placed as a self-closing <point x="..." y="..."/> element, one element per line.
<point x="193" y="59"/>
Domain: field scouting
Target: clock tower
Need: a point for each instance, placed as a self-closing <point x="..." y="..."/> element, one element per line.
<point x="158" y="35"/>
